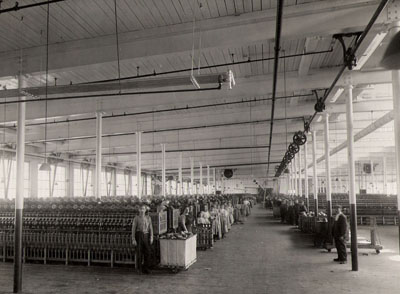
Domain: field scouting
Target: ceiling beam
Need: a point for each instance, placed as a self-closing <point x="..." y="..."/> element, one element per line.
<point x="249" y="87"/>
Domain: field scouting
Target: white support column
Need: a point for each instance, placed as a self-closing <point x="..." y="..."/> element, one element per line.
<point x="34" y="177"/>
<point x="293" y="178"/>
<point x="169" y="185"/>
<point x="328" y="173"/>
<point x="300" y="178"/>
<point x="130" y="183"/>
<point x="306" y="194"/>
<point x="352" y="176"/>
<point x="372" y="177"/>
<point x="99" y="132"/>
<point x="180" y="186"/>
<point x="315" y="178"/>
<point x="214" y="181"/>
<point x="139" y="163"/>
<point x="114" y="182"/>
<point x="201" y="190"/>
<point x="70" y="179"/>
<point x="289" y="179"/>
<point x="163" y="169"/>
<point x="385" y="189"/>
<point x="208" y="180"/>
<point x="191" y="192"/>
<point x="396" y="110"/>
<point x="296" y="186"/>
<point x="19" y="199"/>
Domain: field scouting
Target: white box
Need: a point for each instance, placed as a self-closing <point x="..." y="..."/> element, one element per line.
<point x="178" y="253"/>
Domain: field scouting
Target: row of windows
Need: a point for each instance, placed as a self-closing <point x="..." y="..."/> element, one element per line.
<point x="8" y="178"/>
<point x="54" y="184"/>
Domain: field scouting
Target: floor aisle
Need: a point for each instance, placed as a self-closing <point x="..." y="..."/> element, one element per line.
<point x="260" y="256"/>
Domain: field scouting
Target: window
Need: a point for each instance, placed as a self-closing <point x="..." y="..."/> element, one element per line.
<point x="148" y="188"/>
<point x="121" y="178"/>
<point x="106" y="183"/>
<point x="12" y="181"/>
<point x="83" y="182"/>
<point x="47" y="181"/>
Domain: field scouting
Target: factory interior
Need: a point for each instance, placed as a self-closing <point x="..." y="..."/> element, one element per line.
<point x="199" y="146"/>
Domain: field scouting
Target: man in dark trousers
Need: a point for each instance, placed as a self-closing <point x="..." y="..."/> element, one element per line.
<point x="142" y="238"/>
<point x="283" y="210"/>
<point x="339" y="235"/>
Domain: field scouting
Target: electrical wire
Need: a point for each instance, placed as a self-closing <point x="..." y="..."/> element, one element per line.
<point x="47" y="78"/>
<point x="117" y="41"/>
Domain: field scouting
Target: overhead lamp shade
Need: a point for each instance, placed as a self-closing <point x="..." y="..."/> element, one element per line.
<point x="45" y="167"/>
<point x="391" y="58"/>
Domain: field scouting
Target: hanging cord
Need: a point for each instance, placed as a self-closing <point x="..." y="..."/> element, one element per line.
<point x="198" y="67"/>
<point x="117" y="40"/>
<point x="153" y="139"/>
<point x="284" y="89"/>
<point x="47" y="79"/>
<point x="194" y="26"/>
<point x="252" y="126"/>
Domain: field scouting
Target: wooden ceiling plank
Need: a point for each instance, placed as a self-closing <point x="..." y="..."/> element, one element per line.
<point x="170" y="7"/>
<point x="60" y="31"/>
<point x="100" y="13"/>
<point x="253" y="55"/>
<point x="214" y="11"/>
<point x="181" y="13"/>
<point x="230" y="7"/>
<point x="248" y="6"/>
<point x="265" y="4"/>
<point x="221" y="7"/>
<point x="127" y="20"/>
<point x="239" y="7"/>
<point x="256" y="5"/>
<point x="203" y="9"/>
<point x="158" y="14"/>
<point x="187" y="8"/>
<point x="143" y="14"/>
<point x="131" y="11"/>
<point x="12" y="20"/>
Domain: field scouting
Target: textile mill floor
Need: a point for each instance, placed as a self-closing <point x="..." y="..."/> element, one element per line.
<point x="260" y="256"/>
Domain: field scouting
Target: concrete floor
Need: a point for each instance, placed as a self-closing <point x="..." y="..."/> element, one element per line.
<point x="261" y="256"/>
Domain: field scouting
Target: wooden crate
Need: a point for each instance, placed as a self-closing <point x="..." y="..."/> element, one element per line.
<point x="159" y="221"/>
<point x="178" y="253"/>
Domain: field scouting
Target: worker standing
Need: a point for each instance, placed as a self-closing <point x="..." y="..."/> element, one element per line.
<point x="340" y="235"/>
<point x="142" y="238"/>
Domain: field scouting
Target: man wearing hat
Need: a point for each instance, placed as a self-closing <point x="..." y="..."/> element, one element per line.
<point x="142" y="238"/>
<point x="339" y="231"/>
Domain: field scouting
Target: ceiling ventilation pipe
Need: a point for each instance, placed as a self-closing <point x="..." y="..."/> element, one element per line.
<point x="183" y="108"/>
<point x="17" y="7"/>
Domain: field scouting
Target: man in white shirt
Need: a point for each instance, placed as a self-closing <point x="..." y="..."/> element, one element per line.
<point x="142" y="238"/>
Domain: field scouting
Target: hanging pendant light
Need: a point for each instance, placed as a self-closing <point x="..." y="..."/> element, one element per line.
<point x="45" y="166"/>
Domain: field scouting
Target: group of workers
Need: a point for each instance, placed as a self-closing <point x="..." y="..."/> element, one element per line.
<point x="291" y="209"/>
<point x="221" y="216"/>
<point x="221" y="213"/>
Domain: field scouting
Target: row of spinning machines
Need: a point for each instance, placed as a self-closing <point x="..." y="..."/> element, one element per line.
<point x="79" y="230"/>
<point x="382" y="207"/>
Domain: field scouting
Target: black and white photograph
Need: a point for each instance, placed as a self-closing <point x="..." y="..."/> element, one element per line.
<point x="199" y="146"/>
